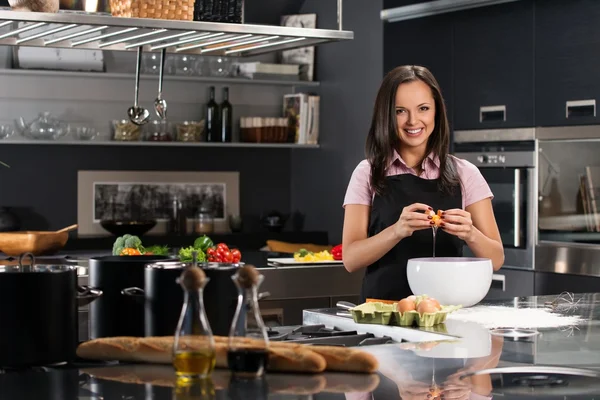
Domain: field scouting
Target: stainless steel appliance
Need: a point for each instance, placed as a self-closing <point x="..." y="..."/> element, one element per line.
<point x="507" y="160"/>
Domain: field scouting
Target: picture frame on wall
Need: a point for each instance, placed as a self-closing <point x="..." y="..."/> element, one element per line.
<point x="149" y="195"/>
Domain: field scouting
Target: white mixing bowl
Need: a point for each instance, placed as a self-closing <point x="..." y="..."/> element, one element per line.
<point x="451" y="280"/>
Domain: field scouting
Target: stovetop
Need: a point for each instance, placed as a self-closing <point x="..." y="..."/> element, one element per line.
<point x="321" y="335"/>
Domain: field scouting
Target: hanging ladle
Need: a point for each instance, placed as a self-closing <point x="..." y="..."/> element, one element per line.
<point x="160" y="104"/>
<point x="138" y="115"/>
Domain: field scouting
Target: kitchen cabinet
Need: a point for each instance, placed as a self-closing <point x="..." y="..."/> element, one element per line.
<point x="493" y="66"/>
<point x="422" y="41"/>
<point x="508" y="283"/>
<point x="567" y="77"/>
<point x="549" y="283"/>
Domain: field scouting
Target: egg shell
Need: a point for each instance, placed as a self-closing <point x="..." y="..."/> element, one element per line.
<point x="426" y="306"/>
<point x="405" y="305"/>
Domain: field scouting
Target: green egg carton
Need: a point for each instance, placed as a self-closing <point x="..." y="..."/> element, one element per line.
<point x="406" y="319"/>
<point x="428" y="320"/>
<point x="373" y="313"/>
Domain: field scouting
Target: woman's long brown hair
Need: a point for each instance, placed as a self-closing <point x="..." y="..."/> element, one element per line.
<point x="383" y="134"/>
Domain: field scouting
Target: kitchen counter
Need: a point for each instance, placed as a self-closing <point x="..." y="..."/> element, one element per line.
<point x="407" y="369"/>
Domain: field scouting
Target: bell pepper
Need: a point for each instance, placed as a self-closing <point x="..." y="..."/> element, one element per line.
<point x="203" y="243"/>
<point x="336" y="252"/>
<point x="130" y="251"/>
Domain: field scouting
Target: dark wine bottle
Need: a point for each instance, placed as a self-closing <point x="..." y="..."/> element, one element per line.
<point x="226" y="117"/>
<point x="212" y="118"/>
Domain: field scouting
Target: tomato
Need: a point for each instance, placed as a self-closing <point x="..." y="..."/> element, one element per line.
<point x="227" y="257"/>
<point x="222" y="246"/>
<point x="211" y="251"/>
<point x="211" y="259"/>
<point x="237" y="256"/>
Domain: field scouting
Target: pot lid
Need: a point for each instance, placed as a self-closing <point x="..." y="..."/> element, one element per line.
<point x="534" y="382"/>
<point x="26" y="264"/>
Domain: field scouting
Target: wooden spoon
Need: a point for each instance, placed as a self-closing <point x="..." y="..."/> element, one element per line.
<point x="68" y="228"/>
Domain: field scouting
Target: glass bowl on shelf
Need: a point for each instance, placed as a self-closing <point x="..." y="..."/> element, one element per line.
<point x="6" y="131"/>
<point x="85" y="133"/>
<point x="190" y="131"/>
<point x="125" y="130"/>
<point x="158" y="131"/>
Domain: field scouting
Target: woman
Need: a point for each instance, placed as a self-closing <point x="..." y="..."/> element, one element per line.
<point x="407" y="174"/>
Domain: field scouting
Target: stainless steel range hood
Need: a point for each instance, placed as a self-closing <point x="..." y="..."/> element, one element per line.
<point x="433" y="8"/>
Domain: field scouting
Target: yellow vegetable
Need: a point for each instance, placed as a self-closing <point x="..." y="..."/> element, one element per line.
<point x="312" y="257"/>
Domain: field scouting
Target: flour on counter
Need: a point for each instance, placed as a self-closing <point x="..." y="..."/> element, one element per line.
<point x="509" y="317"/>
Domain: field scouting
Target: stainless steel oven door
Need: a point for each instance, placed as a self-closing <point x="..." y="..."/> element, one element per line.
<point x="511" y="177"/>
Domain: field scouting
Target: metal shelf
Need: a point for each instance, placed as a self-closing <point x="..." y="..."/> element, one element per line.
<point x="156" y="144"/>
<point x="184" y="78"/>
<point x="101" y="31"/>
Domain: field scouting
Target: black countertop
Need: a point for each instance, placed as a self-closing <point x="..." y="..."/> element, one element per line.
<point x="406" y="369"/>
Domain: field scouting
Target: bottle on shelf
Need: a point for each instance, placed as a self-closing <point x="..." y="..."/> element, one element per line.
<point x="226" y="117"/>
<point x="194" y="350"/>
<point x="212" y="118"/>
<point x="248" y="351"/>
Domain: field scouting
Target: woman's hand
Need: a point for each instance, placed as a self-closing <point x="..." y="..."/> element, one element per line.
<point x="413" y="218"/>
<point x="458" y="222"/>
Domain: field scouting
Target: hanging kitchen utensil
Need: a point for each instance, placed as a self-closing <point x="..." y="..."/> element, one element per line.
<point x="138" y="115"/>
<point x="160" y="104"/>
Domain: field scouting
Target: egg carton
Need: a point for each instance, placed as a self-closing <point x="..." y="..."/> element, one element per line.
<point x="387" y="314"/>
<point x="373" y="313"/>
<point x="426" y="320"/>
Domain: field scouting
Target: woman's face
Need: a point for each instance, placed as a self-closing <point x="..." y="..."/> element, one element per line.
<point x="415" y="113"/>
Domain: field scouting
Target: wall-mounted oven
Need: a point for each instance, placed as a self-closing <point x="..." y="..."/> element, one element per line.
<point x="507" y="160"/>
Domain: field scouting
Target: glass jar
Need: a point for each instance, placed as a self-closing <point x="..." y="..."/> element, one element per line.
<point x="205" y="222"/>
<point x="248" y="350"/>
<point x="194" y="350"/>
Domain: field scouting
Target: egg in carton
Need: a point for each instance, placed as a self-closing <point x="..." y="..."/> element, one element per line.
<point x="422" y="310"/>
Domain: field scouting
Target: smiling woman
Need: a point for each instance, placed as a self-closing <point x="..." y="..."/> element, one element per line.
<point x="406" y="175"/>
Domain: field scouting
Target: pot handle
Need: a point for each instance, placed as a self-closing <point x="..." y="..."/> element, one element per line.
<point x="87" y="294"/>
<point x="136" y="293"/>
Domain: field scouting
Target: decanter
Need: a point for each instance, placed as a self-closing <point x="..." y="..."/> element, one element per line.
<point x="194" y="350"/>
<point x="248" y="351"/>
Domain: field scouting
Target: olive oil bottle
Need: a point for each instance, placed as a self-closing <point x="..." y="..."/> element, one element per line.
<point x="194" y="351"/>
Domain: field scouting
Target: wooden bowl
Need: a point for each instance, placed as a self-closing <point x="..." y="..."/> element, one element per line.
<point x="36" y="242"/>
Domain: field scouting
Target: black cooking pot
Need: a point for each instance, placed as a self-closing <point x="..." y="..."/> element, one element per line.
<point x="163" y="296"/>
<point x="115" y="314"/>
<point x="38" y="313"/>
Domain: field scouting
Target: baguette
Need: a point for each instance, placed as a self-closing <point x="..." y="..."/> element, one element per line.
<point x="283" y="356"/>
<point x="345" y="359"/>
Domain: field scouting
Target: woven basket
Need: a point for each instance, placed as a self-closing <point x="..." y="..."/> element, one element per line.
<point x="157" y="9"/>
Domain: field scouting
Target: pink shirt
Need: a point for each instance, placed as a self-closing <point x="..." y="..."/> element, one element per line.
<point x="473" y="185"/>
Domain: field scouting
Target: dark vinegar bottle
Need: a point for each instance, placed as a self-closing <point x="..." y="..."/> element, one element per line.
<point x="226" y="117"/>
<point x="212" y="118"/>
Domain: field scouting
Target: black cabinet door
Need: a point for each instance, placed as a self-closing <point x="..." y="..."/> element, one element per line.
<point x="509" y="283"/>
<point x="422" y="41"/>
<point x="548" y="283"/>
<point x="567" y="62"/>
<point x="493" y="67"/>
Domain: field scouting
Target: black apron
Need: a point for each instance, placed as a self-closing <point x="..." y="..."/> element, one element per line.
<point x="386" y="278"/>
